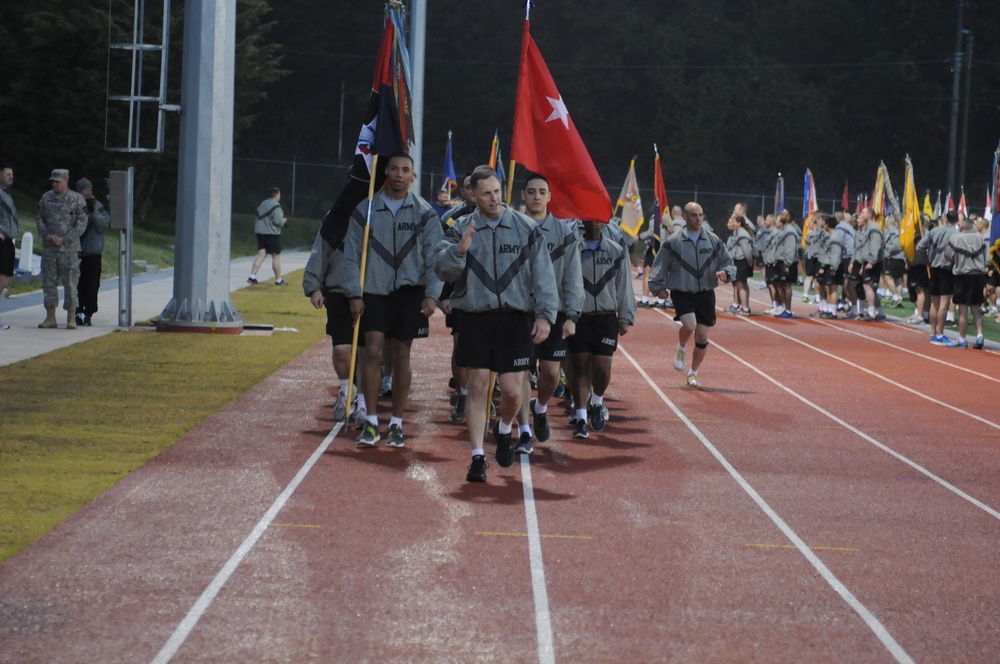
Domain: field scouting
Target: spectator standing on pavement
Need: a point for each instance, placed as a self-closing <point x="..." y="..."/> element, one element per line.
<point x="9" y="229"/>
<point x="691" y="264"/>
<point x="62" y="219"/>
<point x="270" y="221"/>
<point x="91" y="249"/>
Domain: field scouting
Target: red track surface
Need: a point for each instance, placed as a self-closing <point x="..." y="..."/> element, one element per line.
<point x="651" y="548"/>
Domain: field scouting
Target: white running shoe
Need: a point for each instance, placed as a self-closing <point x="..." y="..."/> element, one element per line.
<point x="692" y="379"/>
<point x="680" y="357"/>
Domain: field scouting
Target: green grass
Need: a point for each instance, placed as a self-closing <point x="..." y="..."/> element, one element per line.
<point x="79" y="421"/>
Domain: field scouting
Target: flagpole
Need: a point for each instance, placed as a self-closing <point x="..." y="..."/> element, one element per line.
<point x="510" y="182"/>
<point x="364" y="265"/>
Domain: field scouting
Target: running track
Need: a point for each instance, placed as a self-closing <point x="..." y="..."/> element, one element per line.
<point x="830" y="495"/>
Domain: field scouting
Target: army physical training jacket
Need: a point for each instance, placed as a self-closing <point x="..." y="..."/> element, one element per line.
<point x="563" y="245"/>
<point x="965" y="252"/>
<point x="98" y="220"/>
<point x="400" y="248"/>
<point x="934" y="243"/>
<point x="833" y="251"/>
<point x="270" y="218"/>
<point x="8" y="215"/>
<point x="324" y="269"/>
<point x="786" y="245"/>
<point x="893" y="249"/>
<point x="869" y="245"/>
<point x="505" y="269"/>
<point x="688" y="267"/>
<point x="607" y="280"/>
<point x="740" y="245"/>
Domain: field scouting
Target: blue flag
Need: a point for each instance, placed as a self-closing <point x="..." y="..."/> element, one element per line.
<point x="450" y="181"/>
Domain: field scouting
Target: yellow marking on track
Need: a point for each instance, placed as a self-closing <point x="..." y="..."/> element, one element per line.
<point x="295" y="525"/>
<point x="812" y="548"/>
<point x="492" y="534"/>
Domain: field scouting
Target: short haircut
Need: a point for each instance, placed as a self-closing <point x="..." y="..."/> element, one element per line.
<point x="786" y="217"/>
<point x="272" y="192"/>
<point x="399" y="155"/>
<point x="535" y="176"/>
<point x="952" y="216"/>
<point x="479" y="175"/>
<point x="830" y="221"/>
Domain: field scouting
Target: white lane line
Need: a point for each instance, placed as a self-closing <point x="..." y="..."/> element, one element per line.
<point x="543" y="619"/>
<point x="861" y="434"/>
<point x="902" y="326"/>
<point x="186" y="625"/>
<point x="873" y="623"/>
<point x="876" y="375"/>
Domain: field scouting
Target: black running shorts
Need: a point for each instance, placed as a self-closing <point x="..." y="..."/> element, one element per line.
<point x="271" y="244"/>
<point x="396" y="315"/>
<point x="496" y="340"/>
<point x="701" y="304"/>
<point x="969" y="289"/>
<point x="744" y="270"/>
<point x="7" y="257"/>
<point x="339" y="323"/>
<point x="942" y="281"/>
<point x="596" y="334"/>
<point x="553" y="349"/>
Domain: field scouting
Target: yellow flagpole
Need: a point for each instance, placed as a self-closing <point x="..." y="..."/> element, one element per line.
<point x="364" y="266"/>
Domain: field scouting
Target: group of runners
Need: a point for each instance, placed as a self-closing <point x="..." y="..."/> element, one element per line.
<point x="523" y="293"/>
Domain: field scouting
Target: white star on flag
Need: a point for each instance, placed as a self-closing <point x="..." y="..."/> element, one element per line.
<point x="559" y="111"/>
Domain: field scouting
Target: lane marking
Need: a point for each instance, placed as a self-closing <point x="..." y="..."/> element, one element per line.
<point x="295" y="525"/>
<point x="579" y="537"/>
<point x="867" y="616"/>
<point x="876" y="375"/>
<point x="861" y="434"/>
<point x="813" y="548"/>
<point x="908" y="328"/>
<point x="543" y="619"/>
<point x="201" y="605"/>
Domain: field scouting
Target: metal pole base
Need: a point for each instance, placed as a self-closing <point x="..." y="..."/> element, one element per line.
<point x="219" y="318"/>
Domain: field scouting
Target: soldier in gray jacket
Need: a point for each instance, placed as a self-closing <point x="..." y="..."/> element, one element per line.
<point x="267" y="228"/>
<point x="865" y="267"/>
<point x="323" y="284"/>
<point x="942" y="285"/>
<point x="828" y="274"/>
<point x="9" y="229"/>
<point x="400" y="288"/>
<point x="505" y="299"/>
<point x="608" y="313"/>
<point x="91" y="248"/>
<point x="62" y="218"/>
<point x="562" y="243"/>
<point x="691" y="263"/>
<point x="965" y="250"/>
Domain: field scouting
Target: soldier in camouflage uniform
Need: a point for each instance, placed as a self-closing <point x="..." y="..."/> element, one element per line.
<point x="62" y="219"/>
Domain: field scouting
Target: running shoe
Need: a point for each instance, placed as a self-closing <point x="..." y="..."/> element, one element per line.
<point x="667" y="304"/>
<point x="743" y="312"/>
<point x="850" y="315"/>
<point x="692" y="380"/>
<point x="805" y="298"/>
<point x="581" y="429"/>
<point x="458" y="412"/>
<point x="477" y="469"/>
<point x="865" y="318"/>
<point x="540" y="422"/>
<point x="880" y="317"/>
<point x="643" y="304"/>
<point x="252" y="281"/>
<point x="597" y="421"/>
<point x="561" y="387"/>
<point x="957" y="344"/>
<point x="525" y="444"/>
<point x="939" y="340"/>
<point x="733" y="308"/>
<point x="680" y="357"/>
<point x="505" y="450"/>
<point x="770" y="311"/>
<point x="360" y="418"/>
<point x="394" y="436"/>
<point x="785" y="314"/>
<point x="280" y="282"/>
<point x="915" y="319"/>
<point x="340" y="408"/>
<point x="980" y="342"/>
<point x="369" y="436"/>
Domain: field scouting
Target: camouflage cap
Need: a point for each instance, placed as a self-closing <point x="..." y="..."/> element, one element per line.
<point x="59" y="174"/>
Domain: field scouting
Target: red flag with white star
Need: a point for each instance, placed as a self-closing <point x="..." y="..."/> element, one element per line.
<point x="546" y="141"/>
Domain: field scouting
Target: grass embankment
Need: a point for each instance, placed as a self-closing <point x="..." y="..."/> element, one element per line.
<point x="77" y="420"/>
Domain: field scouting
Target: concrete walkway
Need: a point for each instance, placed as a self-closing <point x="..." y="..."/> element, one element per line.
<point x="150" y="294"/>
